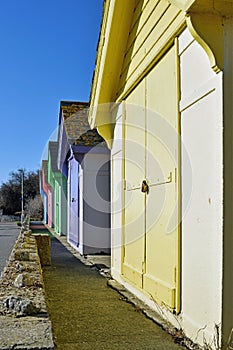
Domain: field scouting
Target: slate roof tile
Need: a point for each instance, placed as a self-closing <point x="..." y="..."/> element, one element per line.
<point x="77" y="127"/>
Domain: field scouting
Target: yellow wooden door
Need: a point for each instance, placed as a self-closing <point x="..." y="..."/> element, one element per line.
<point x="151" y="228"/>
<point x="161" y="279"/>
<point x="134" y="228"/>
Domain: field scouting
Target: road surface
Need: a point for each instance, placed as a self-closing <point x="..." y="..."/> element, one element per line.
<point x="8" y="234"/>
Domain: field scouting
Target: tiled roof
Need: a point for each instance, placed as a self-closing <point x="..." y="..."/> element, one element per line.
<point x="71" y="107"/>
<point x="76" y="125"/>
<point x="90" y="138"/>
<point x="53" y="150"/>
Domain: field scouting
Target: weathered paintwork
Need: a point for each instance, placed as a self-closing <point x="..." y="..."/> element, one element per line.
<point x="161" y="96"/>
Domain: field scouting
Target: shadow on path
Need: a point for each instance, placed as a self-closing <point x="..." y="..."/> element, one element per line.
<point x="87" y="314"/>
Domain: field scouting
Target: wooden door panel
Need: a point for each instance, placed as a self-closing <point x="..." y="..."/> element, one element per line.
<point x="162" y="171"/>
<point x="151" y="228"/>
<point x="134" y="228"/>
<point x="74" y="202"/>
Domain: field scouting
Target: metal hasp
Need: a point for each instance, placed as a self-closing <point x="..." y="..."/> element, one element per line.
<point x="169" y="179"/>
<point x="145" y="187"/>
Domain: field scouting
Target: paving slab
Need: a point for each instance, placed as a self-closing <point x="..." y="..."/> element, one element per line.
<point x="28" y="333"/>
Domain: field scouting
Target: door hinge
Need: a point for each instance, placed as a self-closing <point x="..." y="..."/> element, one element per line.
<point x="123" y="251"/>
<point x="143" y="267"/>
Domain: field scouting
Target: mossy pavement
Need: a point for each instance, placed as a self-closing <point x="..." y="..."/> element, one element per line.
<point x="88" y="314"/>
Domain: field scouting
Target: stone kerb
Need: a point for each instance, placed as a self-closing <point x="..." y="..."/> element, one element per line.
<point x="44" y="248"/>
<point x="24" y="320"/>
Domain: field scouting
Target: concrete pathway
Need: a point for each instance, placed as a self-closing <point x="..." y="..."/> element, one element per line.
<point x="87" y="314"/>
<point x="8" y="234"/>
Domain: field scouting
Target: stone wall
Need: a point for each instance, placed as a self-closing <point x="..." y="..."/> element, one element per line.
<point x="24" y="320"/>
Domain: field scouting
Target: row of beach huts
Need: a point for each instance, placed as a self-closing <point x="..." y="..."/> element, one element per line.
<point x="144" y="170"/>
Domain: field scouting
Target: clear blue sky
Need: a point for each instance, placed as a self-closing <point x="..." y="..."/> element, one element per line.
<point x="47" y="54"/>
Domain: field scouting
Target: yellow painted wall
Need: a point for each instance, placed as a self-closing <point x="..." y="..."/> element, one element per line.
<point x="152" y="30"/>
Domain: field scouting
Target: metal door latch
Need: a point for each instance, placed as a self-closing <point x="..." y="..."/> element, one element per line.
<point x="145" y="187"/>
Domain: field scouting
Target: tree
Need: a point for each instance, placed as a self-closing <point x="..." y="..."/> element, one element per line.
<point x="34" y="207"/>
<point x="10" y="191"/>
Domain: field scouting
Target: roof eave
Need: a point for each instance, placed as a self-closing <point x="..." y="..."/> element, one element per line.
<point x="110" y="55"/>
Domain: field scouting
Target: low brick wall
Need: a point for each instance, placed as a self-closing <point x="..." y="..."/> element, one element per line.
<point x="24" y="320"/>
